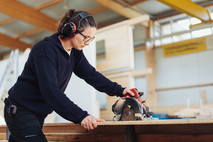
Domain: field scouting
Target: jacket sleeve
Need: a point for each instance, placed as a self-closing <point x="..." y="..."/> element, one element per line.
<point x="84" y="70"/>
<point x="46" y="71"/>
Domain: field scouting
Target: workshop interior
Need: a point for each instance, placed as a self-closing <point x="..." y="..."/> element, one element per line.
<point x="161" y="49"/>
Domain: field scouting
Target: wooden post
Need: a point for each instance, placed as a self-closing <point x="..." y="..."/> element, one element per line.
<point x="130" y="133"/>
<point x="150" y="63"/>
<point x="204" y="97"/>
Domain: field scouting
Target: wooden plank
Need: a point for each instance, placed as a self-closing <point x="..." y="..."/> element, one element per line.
<point x="85" y="137"/>
<point x="75" y="128"/>
<point x="13" y="43"/>
<point x="142" y="73"/>
<point x="27" y="14"/>
<point x="118" y="74"/>
<point x="183" y="87"/>
<point x="174" y="129"/>
<point x="139" y="49"/>
<point x="107" y="114"/>
<point x="2" y="136"/>
<point x="160" y="129"/>
<point x="175" y="137"/>
<point x="2" y="129"/>
<point x="191" y="126"/>
<point x="135" y="73"/>
<point x="172" y="109"/>
<point x="65" y="127"/>
<point x="152" y="131"/>
<point x="159" y="122"/>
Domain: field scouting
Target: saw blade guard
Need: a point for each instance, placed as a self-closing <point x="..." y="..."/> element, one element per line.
<point x="123" y="102"/>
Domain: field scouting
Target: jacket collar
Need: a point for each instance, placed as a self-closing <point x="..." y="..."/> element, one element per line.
<point x="54" y="38"/>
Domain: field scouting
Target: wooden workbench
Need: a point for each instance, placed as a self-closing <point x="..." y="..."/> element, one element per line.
<point x="181" y="130"/>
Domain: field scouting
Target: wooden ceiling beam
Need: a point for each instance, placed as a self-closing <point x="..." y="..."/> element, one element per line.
<point x="97" y="10"/>
<point x="133" y="2"/>
<point x="120" y="9"/>
<point x="13" y="43"/>
<point x="48" y="4"/>
<point x="109" y="24"/>
<point x="36" y="30"/>
<point x="137" y="2"/>
<point x="25" y="13"/>
<point x="30" y="32"/>
<point x="4" y="54"/>
<point x="6" y="21"/>
<point x="124" y="11"/>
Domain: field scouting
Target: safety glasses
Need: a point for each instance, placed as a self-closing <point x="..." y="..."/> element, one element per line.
<point x="87" y="39"/>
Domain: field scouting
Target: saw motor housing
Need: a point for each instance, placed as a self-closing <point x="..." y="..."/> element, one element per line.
<point x="130" y="108"/>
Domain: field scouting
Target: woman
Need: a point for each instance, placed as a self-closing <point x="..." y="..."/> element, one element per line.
<point x="40" y="88"/>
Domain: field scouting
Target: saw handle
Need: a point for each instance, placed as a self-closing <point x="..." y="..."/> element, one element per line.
<point x="137" y="94"/>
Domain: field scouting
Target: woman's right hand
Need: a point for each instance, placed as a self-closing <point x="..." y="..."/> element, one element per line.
<point x="90" y="122"/>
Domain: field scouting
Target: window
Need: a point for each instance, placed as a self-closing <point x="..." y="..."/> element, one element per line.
<point x="179" y="26"/>
<point x="177" y="29"/>
<point x="157" y="30"/>
<point x="157" y="42"/>
<point x="195" y="21"/>
<point x="200" y="33"/>
<point x="181" y="37"/>
<point x="167" y="40"/>
<point x="100" y="50"/>
<point x="184" y="24"/>
<point x="166" y="29"/>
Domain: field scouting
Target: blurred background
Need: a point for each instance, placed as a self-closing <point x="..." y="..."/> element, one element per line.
<point x="163" y="48"/>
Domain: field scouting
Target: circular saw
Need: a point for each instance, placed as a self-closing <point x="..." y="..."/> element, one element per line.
<point x="130" y="108"/>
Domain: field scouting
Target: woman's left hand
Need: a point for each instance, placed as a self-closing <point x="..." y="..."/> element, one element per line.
<point x="127" y="91"/>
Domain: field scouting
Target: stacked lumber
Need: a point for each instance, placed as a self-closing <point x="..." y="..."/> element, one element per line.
<point x="204" y="112"/>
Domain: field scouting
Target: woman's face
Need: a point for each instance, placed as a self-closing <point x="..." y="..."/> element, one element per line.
<point x="82" y="39"/>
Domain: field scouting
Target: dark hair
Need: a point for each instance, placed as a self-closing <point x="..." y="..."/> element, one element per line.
<point x="71" y="16"/>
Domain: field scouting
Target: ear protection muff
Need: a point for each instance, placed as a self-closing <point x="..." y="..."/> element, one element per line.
<point x="69" y="29"/>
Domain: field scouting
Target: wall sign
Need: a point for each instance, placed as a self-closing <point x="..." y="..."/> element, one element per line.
<point x="184" y="47"/>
